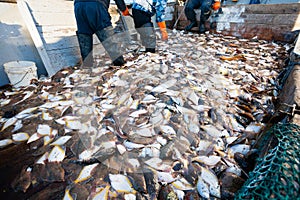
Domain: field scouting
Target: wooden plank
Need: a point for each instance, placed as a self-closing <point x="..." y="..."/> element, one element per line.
<point x="282" y="33"/>
<point x="24" y="11"/>
<point x="262" y="31"/>
<point x="266" y="9"/>
<point x="290" y="8"/>
<point x="272" y="19"/>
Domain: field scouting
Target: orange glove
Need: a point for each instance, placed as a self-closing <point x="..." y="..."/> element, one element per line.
<point x="216" y="5"/>
<point x="126" y="12"/>
<point x="163" y="30"/>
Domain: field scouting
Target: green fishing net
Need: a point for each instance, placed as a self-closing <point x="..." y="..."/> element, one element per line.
<point x="276" y="175"/>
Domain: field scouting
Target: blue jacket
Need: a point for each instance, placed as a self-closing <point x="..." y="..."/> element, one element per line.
<point x="144" y="5"/>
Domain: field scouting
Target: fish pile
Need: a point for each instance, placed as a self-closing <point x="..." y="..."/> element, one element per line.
<point x="168" y="125"/>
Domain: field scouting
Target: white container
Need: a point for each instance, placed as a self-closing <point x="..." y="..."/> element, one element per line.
<point x="20" y="73"/>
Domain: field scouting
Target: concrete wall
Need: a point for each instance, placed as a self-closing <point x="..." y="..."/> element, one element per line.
<point x="55" y="22"/>
<point x="15" y="41"/>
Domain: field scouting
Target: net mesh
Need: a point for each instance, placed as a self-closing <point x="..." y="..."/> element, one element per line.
<point x="276" y="176"/>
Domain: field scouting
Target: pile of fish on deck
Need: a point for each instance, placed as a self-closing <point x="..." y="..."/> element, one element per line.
<point x="167" y="125"/>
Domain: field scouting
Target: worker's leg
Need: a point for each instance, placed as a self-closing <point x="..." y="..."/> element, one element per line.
<point x="144" y="26"/>
<point x="109" y="41"/>
<point x="93" y="17"/>
<point x="105" y="33"/>
<point x="148" y="37"/>
<point x="84" y="34"/>
<point x="86" y="48"/>
<point x="190" y="13"/>
<point x="205" y="13"/>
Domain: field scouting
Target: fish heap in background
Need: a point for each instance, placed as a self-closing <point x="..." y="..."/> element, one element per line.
<point x="168" y="125"/>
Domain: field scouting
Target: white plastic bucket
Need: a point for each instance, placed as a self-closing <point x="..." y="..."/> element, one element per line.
<point x="20" y="73"/>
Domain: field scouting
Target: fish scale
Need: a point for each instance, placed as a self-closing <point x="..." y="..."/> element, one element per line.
<point x="158" y="98"/>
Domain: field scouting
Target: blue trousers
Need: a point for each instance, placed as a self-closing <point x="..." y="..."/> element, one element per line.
<point x="91" y="17"/>
<point x="254" y="2"/>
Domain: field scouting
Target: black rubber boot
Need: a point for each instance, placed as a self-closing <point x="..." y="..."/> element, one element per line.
<point x="86" y="48"/>
<point x="109" y="41"/>
<point x="119" y="61"/>
<point x="202" y="28"/>
<point x="190" y="26"/>
<point x="203" y="18"/>
<point x="151" y="50"/>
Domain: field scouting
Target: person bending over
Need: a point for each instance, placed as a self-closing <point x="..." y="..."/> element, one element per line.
<point x="205" y="7"/>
